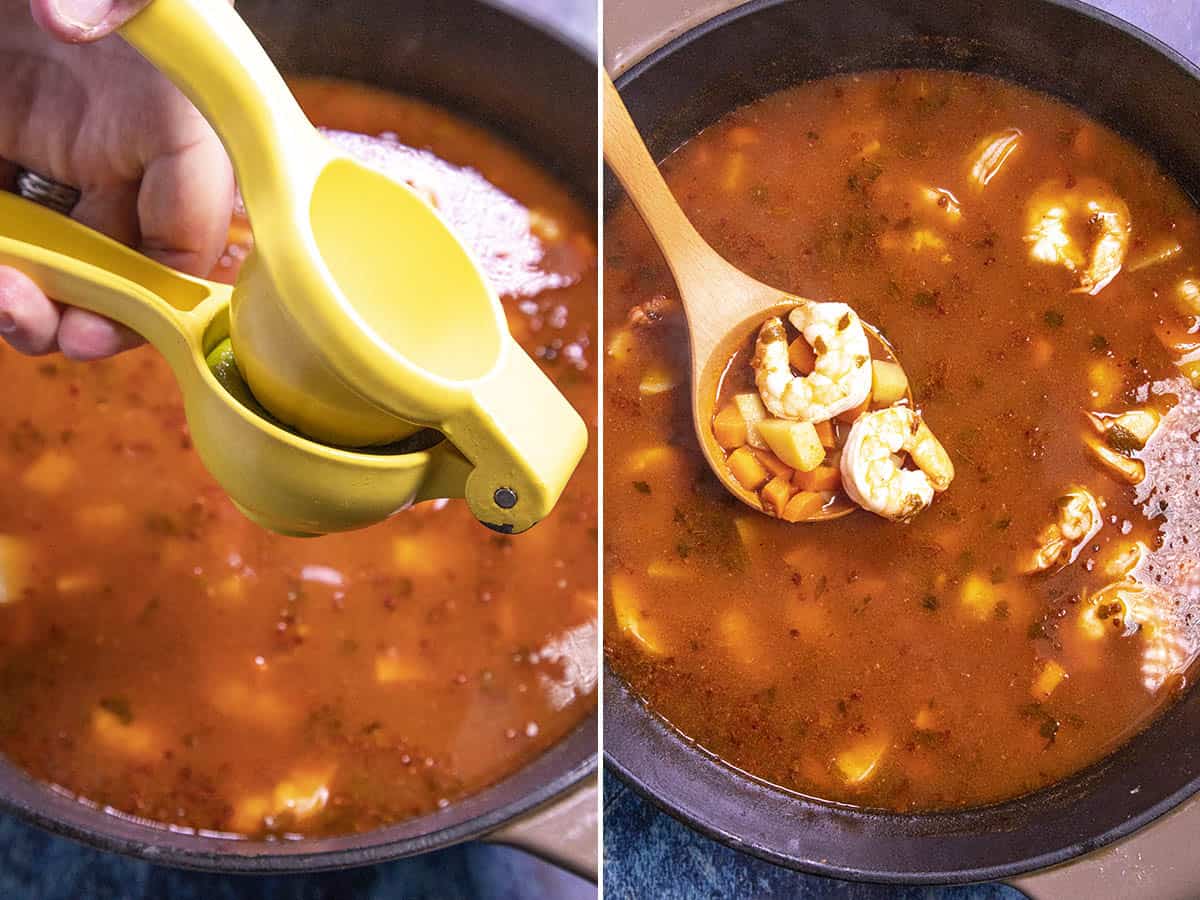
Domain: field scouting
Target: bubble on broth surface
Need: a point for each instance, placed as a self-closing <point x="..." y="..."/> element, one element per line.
<point x="497" y="229"/>
<point x="1170" y="494"/>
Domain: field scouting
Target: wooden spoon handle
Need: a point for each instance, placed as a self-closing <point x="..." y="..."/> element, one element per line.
<point x="700" y="272"/>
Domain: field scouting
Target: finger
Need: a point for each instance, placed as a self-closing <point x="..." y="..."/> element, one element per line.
<point x="85" y="336"/>
<point x="185" y="204"/>
<point x="28" y="320"/>
<point x="83" y="21"/>
<point x="111" y="210"/>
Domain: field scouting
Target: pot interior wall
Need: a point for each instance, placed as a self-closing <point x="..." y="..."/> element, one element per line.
<point x="1123" y="79"/>
<point x="539" y="92"/>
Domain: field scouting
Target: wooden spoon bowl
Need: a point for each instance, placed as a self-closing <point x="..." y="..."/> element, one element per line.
<point x="723" y="305"/>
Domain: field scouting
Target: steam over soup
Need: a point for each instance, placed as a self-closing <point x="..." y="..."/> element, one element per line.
<point x="1039" y="279"/>
<point x="162" y="655"/>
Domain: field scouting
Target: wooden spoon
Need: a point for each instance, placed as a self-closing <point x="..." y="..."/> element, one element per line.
<point x="722" y="304"/>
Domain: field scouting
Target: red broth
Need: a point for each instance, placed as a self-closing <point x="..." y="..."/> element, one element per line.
<point x="919" y="666"/>
<point x="162" y="655"/>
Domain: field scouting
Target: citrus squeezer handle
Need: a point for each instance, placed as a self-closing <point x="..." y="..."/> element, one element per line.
<point x="84" y="268"/>
<point x="211" y="55"/>
<point x="523" y="439"/>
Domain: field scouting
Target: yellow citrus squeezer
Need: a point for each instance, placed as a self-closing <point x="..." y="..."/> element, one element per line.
<point x="357" y="320"/>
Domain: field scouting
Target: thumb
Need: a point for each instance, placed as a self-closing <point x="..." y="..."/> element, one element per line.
<point x="83" y="21"/>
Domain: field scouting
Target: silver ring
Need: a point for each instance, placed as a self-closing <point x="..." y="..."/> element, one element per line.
<point x="59" y="197"/>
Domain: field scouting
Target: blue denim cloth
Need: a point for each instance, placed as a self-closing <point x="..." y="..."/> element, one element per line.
<point x="649" y="854"/>
<point x="35" y="865"/>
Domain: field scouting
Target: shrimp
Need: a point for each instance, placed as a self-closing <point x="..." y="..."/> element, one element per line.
<point x="841" y="376"/>
<point x="1059" y="542"/>
<point x="872" y="471"/>
<point x="1090" y="204"/>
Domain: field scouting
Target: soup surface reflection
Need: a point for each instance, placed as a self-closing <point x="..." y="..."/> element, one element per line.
<point x="1036" y="276"/>
<point x="161" y="655"/>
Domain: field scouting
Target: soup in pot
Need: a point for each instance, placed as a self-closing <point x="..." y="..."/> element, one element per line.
<point x="1039" y="280"/>
<point x="165" y="657"/>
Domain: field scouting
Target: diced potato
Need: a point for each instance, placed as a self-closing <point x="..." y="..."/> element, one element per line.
<point x="737" y="633"/>
<point x="796" y="443"/>
<point x="858" y="762"/>
<point x="76" y="582"/>
<point x="776" y="494"/>
<point x="979" y="596"/>
<point x="734" y="172"/>
<point x="749" y="472"/>
<point x="1124" y="467"/>
<point x="750" y="534"/>
<point x="888" y="382"/>
<point x="850" y="416"/>
<point x="803" y="505"/>
<point x="656" y="381"/>
<point x="393" y="667"/>
<point x="621" y="344"/>
<point x="300" y="796"/>
<point x="418" y="554"/>
<point x="925" y="719"/>
<point x="729" y="428"/>
<point x="15" y="558"/>
<point x="773" y="464"/>
<point x="135" y="740"/>
<point x="826" y="434"/>
<point x="669" y="570"/>
<point x="1042" y="352"/>
<point x="630" y="617"/>
<point x="753" y="412"/>
<point x="50" y="472"/>
<point x="822" y="478"/>
<point x="743" y="136"/>
<point x="656" y="458"/>
<point x="1048" y="679"/>
<point x="802" y="356"/>
<point x="103" y="520"/>
<point x="254" y="705"/>
<point x="1105" y="381"/>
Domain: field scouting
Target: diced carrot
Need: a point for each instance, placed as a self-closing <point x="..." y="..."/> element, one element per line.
<point x="773" y="464"/>
<point x="729" y="428"/>
<point x="822" y="478"/>
<point x="803" y="505"/>
<point x="852" y="415"/>
<point x="746" y="468"/>
<point x="826" y="434"/>
<point x="776" y="494"/>
<point x="801" y="355"/>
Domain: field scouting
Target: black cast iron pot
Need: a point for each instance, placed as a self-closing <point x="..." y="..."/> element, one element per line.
<point x="1120" y="76"/>
<point x="536" y="88"/>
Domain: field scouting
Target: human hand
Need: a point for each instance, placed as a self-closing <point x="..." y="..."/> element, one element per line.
<point x="150" y="170"/>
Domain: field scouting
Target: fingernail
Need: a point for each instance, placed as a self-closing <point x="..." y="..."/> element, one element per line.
<point x="7" y="323"/>
<point x="83" y="13"/>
